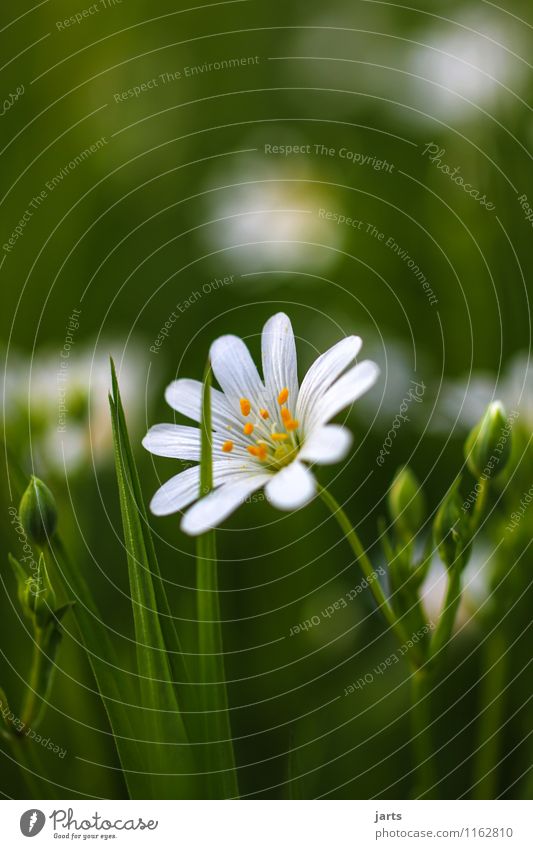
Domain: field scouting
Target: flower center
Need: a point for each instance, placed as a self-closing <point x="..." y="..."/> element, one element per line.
<point x="275" y="436"/>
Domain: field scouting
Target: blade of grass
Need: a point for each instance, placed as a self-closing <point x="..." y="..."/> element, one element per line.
<point x="168" y="757"/>
<point x="118" y="688"/>
<point x="221" y="773"/>
<point x="176" y="657"/>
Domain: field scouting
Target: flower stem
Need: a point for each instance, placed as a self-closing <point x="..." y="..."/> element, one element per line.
<point x="28" y="710"/>
<point x="26" y="761"/>
<point x="492" y="702"/>
<point x="368" y="570"/>
<point x="481" y="503"/>
<point x="421" y="720"/>
<point x="444" y="629"/>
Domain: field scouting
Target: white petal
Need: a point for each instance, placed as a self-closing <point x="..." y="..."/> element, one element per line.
<point x="170" y="440"/>
<point x="292" y="487"/>
<point x="328" y="444"/>
<point x="325" y="370"/>
<point x="185" y="396"/>
<point x="176" y="493"/>
<point x="210" y="511"/>
<point x="235" y="371"/>
<point x="344" y="392"/>
<point x="279" y="359"/>
<point x="184" y="443"/>
<point x="184" y="487"/>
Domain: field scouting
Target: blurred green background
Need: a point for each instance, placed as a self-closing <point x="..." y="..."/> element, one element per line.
<point x="183" y="106"/>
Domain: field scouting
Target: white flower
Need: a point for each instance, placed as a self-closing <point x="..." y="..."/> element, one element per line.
<point x="266" y="214"/>
<point x="472" y="62"/>
<point x="62" y="404"/>
<point x="475" y="598"/>
<point x="462" y="402"/>
<point x="265" y="433"/>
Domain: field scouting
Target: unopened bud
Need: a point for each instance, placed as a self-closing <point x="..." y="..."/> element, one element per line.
<point x="38" y="512"/>
<point x="488" y="446"/>
<point x="451" y="531"/>
<point x="40" y="597"/>
<point x="407" y="504"/>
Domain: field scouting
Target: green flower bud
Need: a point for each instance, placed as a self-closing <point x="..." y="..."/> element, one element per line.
<point x="38" y="512"/>
<point x="21" y="577"/>
<point x="34" y="590"/>
<point x="488" y="446"/>
<point x="40" y="597"/>
<point x="407" y="505"/>
<point x="451" y="531"/>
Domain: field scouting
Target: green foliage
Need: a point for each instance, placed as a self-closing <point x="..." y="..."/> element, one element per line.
<point x="167" y="755"/>
<point x="219" y="757"/>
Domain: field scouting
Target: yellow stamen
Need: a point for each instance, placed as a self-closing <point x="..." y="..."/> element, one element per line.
<point x="283" y="395"/>
<point x="245" y="406"/>
<point x="248" y="429"/>
<point x="227" y="446"/>
<point x="263" y="413"/>
<point x="279" y="437"/>
<point x="259" y="451"/>
<point x="285" y="414"/>
<point x="292" y="424"/>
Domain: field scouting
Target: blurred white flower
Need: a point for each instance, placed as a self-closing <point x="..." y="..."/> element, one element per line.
<point x="462" y="402"/>
<point x="476" y="588"/>
<point x="465" y="64"/>
<point x="269" y="216"/>
<point x="57" y="411"/>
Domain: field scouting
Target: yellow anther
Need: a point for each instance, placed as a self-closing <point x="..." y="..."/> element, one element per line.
<point x="245" y="406"/>
<point x="259" y="451"/>
<point x="283" y="395"/>
<point x="285" y="414"/>
<point x="248" y="429"/>
<point x="292" y="424"/>
<point x="228" y="445"/>
<point x="263" y="413"/>
<point x="279" y="437"/>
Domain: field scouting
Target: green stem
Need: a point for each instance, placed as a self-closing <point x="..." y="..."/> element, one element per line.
<point x="29" y="707"/>
<point x="444" y="629"/>
<point x="481" y="503"/>
<point x="221" y="777"/>
<point x="21" y="754"/>
<point x="220" y="759"/>
<point x="421" y="721"/>
<point x="369" y="572"/>
<point x="491" y="698"/>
